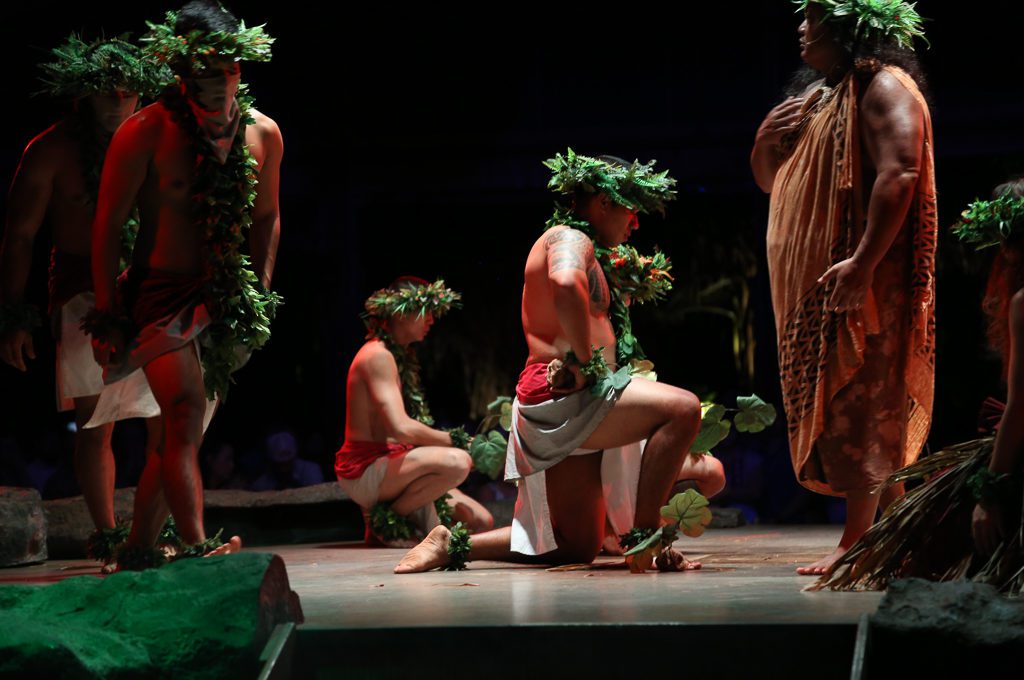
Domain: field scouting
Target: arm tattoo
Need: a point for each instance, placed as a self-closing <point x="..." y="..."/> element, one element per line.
<point x="568" y="249"/>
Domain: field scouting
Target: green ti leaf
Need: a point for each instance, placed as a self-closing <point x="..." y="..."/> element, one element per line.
<point x="713" y="428"/>
<point x="754" y="414"/>
<point x="690" y="511"/>
<point x="488" y="453"/>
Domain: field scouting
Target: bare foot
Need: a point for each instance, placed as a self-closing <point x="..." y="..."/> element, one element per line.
<point x="822" y="566"/>
<point x="610" y="545"/>
<point x="109" y="568"/>
<point x="232" y="546"/>
<point x="431" y="553"/>
<point x="673" y="560"/>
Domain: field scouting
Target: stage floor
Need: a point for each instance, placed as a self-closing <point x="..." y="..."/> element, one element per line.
<point x="748" y="578"/>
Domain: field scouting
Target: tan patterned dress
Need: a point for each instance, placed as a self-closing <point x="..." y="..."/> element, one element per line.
<point x="857" y="386"/>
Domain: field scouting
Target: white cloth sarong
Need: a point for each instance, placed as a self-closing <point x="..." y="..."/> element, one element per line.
<point x="78" y="374"/>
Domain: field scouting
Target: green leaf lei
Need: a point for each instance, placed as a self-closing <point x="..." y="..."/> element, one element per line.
<point x="459" y="545"/>
<point x="222" y="204"/>
<point x="434" y="298"/>
<point x="988" y="223"/>
<point x="639" y="279"/>
<point x="874" y="20"/>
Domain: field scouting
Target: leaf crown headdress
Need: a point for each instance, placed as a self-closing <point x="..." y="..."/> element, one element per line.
<point x="634" y="185"/>
<point x="407" y="297"/>
<point x="103" y="66"/>
<point x="874" y="20"/>
<point x="188" y="52"/>
<point x="990" y="223"/>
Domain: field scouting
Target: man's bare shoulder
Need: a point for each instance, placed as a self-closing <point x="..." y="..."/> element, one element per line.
<point x="50" y="147"/>
<point x="266" y="125"/>
<point x="564" y="234"/>
<point x="149" y="120"/>
<point x="886" y="94"/>
<point x="374" y="359"/>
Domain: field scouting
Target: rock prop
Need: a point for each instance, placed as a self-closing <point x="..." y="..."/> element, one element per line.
<point x="930" y="629"/>
<point x="22" y="527"/>
<point x="309" y="514"/>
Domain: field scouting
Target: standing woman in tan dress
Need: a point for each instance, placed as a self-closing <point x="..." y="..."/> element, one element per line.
<point x="851" y="248"/>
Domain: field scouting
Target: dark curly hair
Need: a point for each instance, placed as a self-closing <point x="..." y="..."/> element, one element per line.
<point x="866" y="55"/>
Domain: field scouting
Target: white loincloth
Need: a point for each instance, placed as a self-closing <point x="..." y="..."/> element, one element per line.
<point x="78" y="374"/>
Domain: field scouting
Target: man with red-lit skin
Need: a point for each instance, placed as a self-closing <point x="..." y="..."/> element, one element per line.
<point x="50" y="185"/>
<point x="375" y="412"/>
<point x="565" y="307"/>
<point x="150" y="163"/>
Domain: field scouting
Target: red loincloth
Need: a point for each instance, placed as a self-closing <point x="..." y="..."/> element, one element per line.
<point x="352" y="459"/>
<point x="533" y="387"/>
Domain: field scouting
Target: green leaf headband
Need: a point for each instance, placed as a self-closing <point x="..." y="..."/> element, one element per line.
<point x="101" y="67"/>
<point x="882" y="20"/>
<point x="636" y="186"/>
<point x="166" y="47"/>
<point x="988" y="223"/>
<point x="434" y="298"/>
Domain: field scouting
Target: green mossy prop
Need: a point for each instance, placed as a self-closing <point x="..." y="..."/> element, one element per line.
<point x="194" y="618"/>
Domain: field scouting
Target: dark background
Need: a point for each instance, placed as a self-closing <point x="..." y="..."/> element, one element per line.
<point x="413" y="144"/>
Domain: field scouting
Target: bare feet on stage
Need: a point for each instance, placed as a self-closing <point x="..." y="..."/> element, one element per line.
<point x="229" y="548"/>
<point x="431" y="553"/>
<point x="822" y="566"/>
<point x="662" y="560"/>
<point x="673" y="560"/>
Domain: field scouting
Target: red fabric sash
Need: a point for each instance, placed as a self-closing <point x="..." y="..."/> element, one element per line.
<point x="533" y="387"/>
<point x="352" y="459"/>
